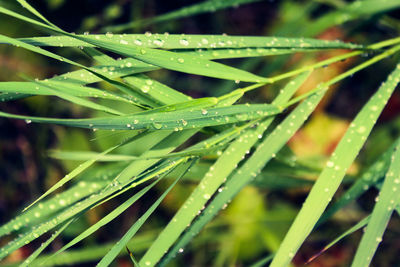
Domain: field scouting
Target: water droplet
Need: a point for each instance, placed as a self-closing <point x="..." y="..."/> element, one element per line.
<point x="204" y="41"/>
<point x="158" y="42"/>
<point x="181" y="60"/>
<point x="330" y="164"/>
<point x="145" y="88"/>
<point x="124" y="42"/>
<point x="157" y="125"/>
<point x="204" y="111"/>
<point x="184" y="42"/>
<point x="138" y="42"/>
<point x="361" y="129"/>
<point x="28" y="121"/>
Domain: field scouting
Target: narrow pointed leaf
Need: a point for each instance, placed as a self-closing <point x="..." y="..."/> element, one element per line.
<point x="333" y="173"/>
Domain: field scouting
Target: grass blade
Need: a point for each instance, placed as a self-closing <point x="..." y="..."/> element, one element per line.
<point x="191" y="41"/>
<point x="333" y="173"/>
<point x="28" y="261"/>
<point x="174" y="120"/>
<point x="108" y="218"/>
<point x="107" y="259"/>
<point x="212" y="180"/>
<point x="264" y="152"/>
<point x="369" y="178"/>
<point x="388" y="200"/>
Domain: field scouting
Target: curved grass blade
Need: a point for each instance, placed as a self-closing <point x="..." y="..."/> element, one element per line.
<point x="213" y="179"/>
<point x="61" y="92"/>
<point x="383" y="209"/>
<point x="166" y="59"/>
<point x="27" y="262"/>
<point x="174" y="120"/>
<point x="54" y="205"/>
<point x="78" y="208"/>
<point x="108" y="218"/>
<point x="87" y="255"/>
<point x="103" y="76"/>
<point x="162" y="143"/>
<point x="175" y="61"/>
<point x="39" y="88"/>
<point x="93" y="182"/>
<point x="4" y="97"/>
<point x="110" y="256"/>
<point x="353" y="229"/>
<point x="333" y="173"/>
<point x="192" y="41"/>
<point x="150" y="91"/>
<point x="263" y="261"/>
<point x="158" y="92"/>
<point x="82" y="167"/>
<point x="135" y="262"/>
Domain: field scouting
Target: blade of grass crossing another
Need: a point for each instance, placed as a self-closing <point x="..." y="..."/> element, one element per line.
<point x="52" y="206"/>
<point x="175" y="61"/>
<point x="249" y="170"/>
<point x="110" y="256"/>
<point x="369" y="178"/>
<point x="161" y="58"/>
<point x="213" y="179"/>
<point x="332" y="175"/>
<point x="353" y="229"/>
<point x="29" y="261"/>
<point x="82" y="167"/>
<point x="163" y="143"/>
<point x="388" y="199"/>
<point x="109" y="217"/>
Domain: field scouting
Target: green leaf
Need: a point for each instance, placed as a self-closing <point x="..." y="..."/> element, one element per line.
<point x="368" y="178"/>
<point x="333" y="173"/>
<point x="82" y="167"/>
<point x="265" y="151"/>
<point x="28" y="261"/>
<point x="108" y="218"/>
<point x="213" y="179"/>
<point x="174" y="120"/>
<point x="388" y="199"/>
<point x="190" y="41"/>
<point x="40" y="88"/>
<point x="107" y="259"/>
